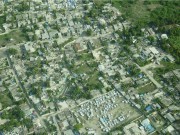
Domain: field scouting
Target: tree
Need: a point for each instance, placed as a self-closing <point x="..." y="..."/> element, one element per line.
<point x="28" y="123"/>
<point x="54" y="13"/>
<point x="41" y="18"/>
<point x="93" y="13"/>
<point x="36" y="27"/>
<point x="78" y="126"/>
<point x="86" y="7"/>
<point x="89" y="32"/>
<point x="11" y="51"/>
<point x="151" y="39"/>
<point x="98" y="3"/>
<point x="87" y="20"/>
<point x="17" y="113"/>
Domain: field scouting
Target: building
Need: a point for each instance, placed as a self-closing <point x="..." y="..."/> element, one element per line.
<point x="147" y="126"/>
<point x="134" y="129"/>
<point x="68" y="132"/>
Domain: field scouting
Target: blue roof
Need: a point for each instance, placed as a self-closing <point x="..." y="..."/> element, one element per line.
<point x="149" y="128"/>
<point x="147" y="125"/>
<point x="141" y="75"/>
<point x="148" y="108"/>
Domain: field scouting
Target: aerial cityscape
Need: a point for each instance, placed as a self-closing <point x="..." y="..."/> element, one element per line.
<point x="89" y="67"/>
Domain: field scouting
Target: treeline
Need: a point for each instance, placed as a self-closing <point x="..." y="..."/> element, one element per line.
<point x="167" y="19"/>
<point x="166" y="14"/>
<point x="15" y="117"/>
<point x="172" y="45"/>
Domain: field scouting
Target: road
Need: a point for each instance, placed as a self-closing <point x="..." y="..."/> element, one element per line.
<point x="79" y="39"/>
<point x="144" y="70"/>
<point x="57" y="126"/>
<point x="29" y="102"/>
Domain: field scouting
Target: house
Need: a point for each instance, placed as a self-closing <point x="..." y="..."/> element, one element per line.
<point x="133" y="129"/>
<point x="79" y="47"/>
<point x="115" y="26"/>
<point x="147" y="125"/>
<point x="51" y="105"/>
<point x="170" y="129"/>
<point x="148" y="108"/>
<point x="44" y="36"/>
<point x="170" y="58"/>
<point x="6" y="26"/>
<point x="65" y="124"/>
<point x="146" y="53"/>
<point x="64" y="31"/>
<point x="34" y="99"/>
<point x="164" y="36"/>
<point x="154" y="50"/>
<point x="53" y="34"/>
<point x="38" y="33"/>
<point x="29" y="47"/>
<point x="30" y="35"/>
<point x="102" y="21"/>
<point x="151" y="32"/>
<point x="71" y="23"/>
<point x="169" y="117"/>
<point x="177" y="73"/>
<point x="25" y="108"/>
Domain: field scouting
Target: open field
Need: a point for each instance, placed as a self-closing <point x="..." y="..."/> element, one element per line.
<point x="134" y="11"/>
<point x="84" y="68"/>
<point x="94" y="78"/>
<point x="13" y="37"/>
<point x="147" y="88"/>
<point x="85" y="57"/>
<point x="5" y="100"/>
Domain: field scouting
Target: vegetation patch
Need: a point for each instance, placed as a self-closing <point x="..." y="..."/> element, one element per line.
<point x="13" y="37"/>
<point x="5" y="100"/>
<point x="85" y="57"/>
<point x="93" y="82"/>
<point x="2" y="20"/>
<point x="84" y="68"/>
<point x="147" y="88"/>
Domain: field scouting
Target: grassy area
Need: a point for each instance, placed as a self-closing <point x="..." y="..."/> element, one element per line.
<point x="97" y="43"/>
<point x="93" y="81"/>
<point x="167" y="67"/>
<point x="135" y="11"/>
<point x="141" y="62"/>
<point x="85" y="57"/>
<point x="5" y="100"/>
<point x="3" y="64"/>
<point x="16" y="35"/>
<point x="147" y="88"/>
<point x="82" y="69"/>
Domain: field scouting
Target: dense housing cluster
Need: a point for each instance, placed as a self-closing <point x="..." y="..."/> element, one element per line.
<point x="82" y="67"/>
